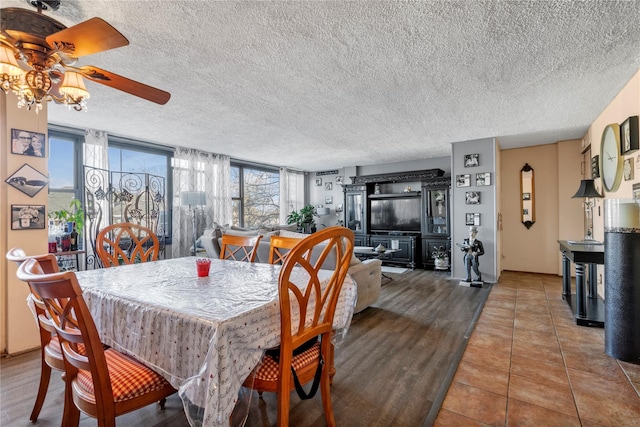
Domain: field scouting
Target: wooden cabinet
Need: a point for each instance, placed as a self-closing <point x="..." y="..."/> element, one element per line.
<point x="360" y="240"/>
<point x="436" y="226"/>
<point x="383" y="208"/>
<point x="431" y="245"/>
<point x="407" y="244"/>
<point x="355" y="209"/>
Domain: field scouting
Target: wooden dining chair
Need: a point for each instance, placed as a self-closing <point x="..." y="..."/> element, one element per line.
<point x="126" y="243"/>
<point x="239" y="248"/>
<point x="279" y="247"/>
<point x="101" y="383"/>
<point x="50" y="351"/>
<point x="306" y="313"/>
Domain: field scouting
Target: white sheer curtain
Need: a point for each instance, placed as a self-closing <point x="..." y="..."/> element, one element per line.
<point x="95" y="155"/>
<point x="199" y="171"/>
<point x="291" y="192"/>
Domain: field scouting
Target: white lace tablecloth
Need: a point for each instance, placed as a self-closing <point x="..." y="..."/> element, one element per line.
<point x="204" y="335"/>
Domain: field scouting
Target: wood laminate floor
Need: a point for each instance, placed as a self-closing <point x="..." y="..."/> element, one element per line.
<point x="401" y="355"/>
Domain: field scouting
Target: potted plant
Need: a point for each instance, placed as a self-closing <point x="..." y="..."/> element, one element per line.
<point x="70" y="216"/>
<point x="303" y="218"/>
<point x="441" y="258"/>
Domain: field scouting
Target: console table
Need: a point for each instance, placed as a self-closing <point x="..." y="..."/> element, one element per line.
<point x="587" y="306"/>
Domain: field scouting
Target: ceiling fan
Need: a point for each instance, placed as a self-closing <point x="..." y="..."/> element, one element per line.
<point x="38" y="54"/>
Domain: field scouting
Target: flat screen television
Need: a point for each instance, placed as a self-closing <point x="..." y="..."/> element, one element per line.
<point x="395" y="214"/>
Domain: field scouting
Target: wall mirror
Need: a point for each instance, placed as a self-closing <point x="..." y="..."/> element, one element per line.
<point x="527" y="196"/>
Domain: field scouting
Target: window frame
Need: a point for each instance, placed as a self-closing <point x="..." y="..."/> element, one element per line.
<point x="254" y="166"/>
<point x="113" y="141"/>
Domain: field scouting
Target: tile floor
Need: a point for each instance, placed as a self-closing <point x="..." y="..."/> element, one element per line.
<point x="528" y="363"/>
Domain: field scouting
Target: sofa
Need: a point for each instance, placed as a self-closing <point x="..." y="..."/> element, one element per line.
<point x="367" y="274"/>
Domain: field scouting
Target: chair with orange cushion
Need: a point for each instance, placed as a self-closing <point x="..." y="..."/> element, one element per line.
<point x="315" y="304"/>
<point x="239" y="248"/>
<point x="126" y="243"/>
<point x="101" y="383"/>
<point x="279" y="247"/>
<point x="50" y="351"/>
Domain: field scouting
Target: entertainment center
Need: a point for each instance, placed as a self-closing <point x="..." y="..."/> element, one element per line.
<point x="388" y="210"/>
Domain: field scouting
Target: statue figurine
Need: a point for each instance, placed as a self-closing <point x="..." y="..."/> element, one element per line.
<point x="472" y="249"/>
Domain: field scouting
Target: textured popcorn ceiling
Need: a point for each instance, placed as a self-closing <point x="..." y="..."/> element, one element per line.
<point x="321" y="85"/>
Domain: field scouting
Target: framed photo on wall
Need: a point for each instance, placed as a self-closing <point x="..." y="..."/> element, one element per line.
<point x="28" y="180"/>
<point x="483" y="179"/>
<point x="472" y="219"/>
<point x="629" y="135"/>
<point x="627" y="169"/>
<point x="28" y="143"/>
<point x="28" y="217"/>
<point x="328" y="200"/>
<point x="328" y="186"/>
<point x="318" y="182"/>
<point x="472" y="197"/>
<point x="463" y="180"/>
<point x="595" y="167"/>
<point x="471" y="160"/>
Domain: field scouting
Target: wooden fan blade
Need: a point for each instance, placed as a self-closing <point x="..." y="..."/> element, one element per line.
<point x="124" y="84"/>
<point x="91" y="36"/>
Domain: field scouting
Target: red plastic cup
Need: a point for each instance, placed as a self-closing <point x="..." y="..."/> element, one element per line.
<point x="203" y="265"/>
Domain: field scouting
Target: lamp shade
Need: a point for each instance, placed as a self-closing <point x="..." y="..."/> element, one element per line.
<point x="73" y="85"/>
<point x="193" y="198"/>
<point x="8" y="63"/>
<point x="587" y="189"/>
<point x="323" y="211"/>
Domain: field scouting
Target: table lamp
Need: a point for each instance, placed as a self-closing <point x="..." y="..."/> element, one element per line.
<point x="193" y="199"/>
<point x="588" y="191"/>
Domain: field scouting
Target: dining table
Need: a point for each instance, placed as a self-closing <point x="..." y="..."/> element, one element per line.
<point x="203" y="334"/>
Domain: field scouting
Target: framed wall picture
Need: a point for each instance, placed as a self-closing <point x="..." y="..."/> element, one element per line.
<point x="318" y="182"/>
<point x="483" y="179"/>
<point x="468" y="219"/>
<point x="339" y="179"/>
<point x="627" y="169"/>
<point x="328" y="186"/>
<point x="28" y="217"/>
<point x="472" y="197"/>
<point x="463" y="180"/>
<point x="471" y="160"/>
<point x="328" y="200"/>
<point x="629" y="135"/>
<point x="472" y="219"/>
<point x="28" y="143"/>
<point x="595" y="167"/>
<point x="28" y="180"/>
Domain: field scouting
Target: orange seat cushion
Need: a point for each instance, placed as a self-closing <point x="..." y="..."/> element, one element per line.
<point x="129" y="378"/>
<point x="268" y="369"/>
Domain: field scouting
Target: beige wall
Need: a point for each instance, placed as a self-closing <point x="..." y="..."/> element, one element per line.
<point x="534" y="249"/>
<point x="18" y="330"/>
<point x="625" y="104"/>
<point x="559" y="167"/>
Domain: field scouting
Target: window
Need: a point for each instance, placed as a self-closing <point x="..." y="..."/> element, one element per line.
<point x="63" y="170"/>
<point x="255" y="194"/>
<point x="66" y="175"/>
<point x="128" y="164"/>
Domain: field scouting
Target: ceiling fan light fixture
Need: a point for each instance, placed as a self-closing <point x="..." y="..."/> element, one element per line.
<point x="10" y="71"/>
<point x="73" y="90"/>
